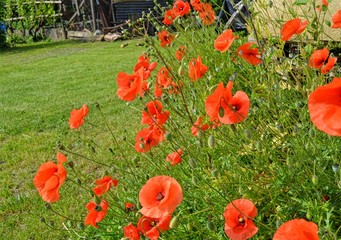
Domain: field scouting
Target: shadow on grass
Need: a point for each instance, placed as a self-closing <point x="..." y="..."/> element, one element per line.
<point x="39" y="45"/>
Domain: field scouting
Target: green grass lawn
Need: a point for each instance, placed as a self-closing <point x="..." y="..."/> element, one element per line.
<point x="40" y="84"/>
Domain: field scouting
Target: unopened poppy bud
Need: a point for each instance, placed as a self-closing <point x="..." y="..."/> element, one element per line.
<point x="210" y="226"/>
<point x="150" y="84"/>
<point x="200" y="134"/>
<point x="168" y="136"/>
<point x="189" y="227"/>
<point x="98" y="208"/>
<point x="42" y="219"/>
<point x="174" y="222"/>
<point x="60" y="146"/>
<point x="308" y="215"/>
<point x="124" y="45"/>
<point x="314" y="179"/>
<point x="211" y="141"/>
<point x="69" y="223"/>
<point x="221" y="112"/>
<point x="141" y="145"/>
<point x="194" y="180"/>
<point x="80" y="225"/>
<point x="181" y="70"/>
<point x="311" y="132"/>
<point x="335" y="168"/>
<point x="247" y="133"/>
<point x="97" y="200"/>
<point x="258" y="146"/>
<point x="79" y="182"/>
<point x="192" y="163"/>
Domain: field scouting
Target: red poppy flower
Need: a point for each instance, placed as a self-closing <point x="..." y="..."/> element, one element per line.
<point x="318" y="60"/>
<point x="196" y="69"/>
<point x="329" y="65"/>
<point x="196" y="4"/>
<point x="336" y="19"/>
<point x="207" y="14"/>
<point x="150" y="227"/>
<point x="228" y="109"/>
<point x="154" y="114"/>
<point x="198" y="126"/>
<point x="104" y="184"/>
<point x="250" y="53"/>
<point x="165" y="38"/>
<point x="175" y="157"/>
<point x="160" y="196"/>
<point x="181" y="8"/>
<point x="49" y="178"/>
<point x="148" y="138"/>
<point x="96" y="213"/>
<point x="238" y="222"/>
<point x="325" y="107"/>
<point x="291" y="27"/>
<point x="77" y="116"/>
<point x="169" y="17"/>
<point x="181" y="52"/>
<point x="224" y="40"/>
<point x="163" y="78"/>
<point x="131" y="207"/>
<point x="129" y="86"/>
<point x="131" y="232"/>
<point x="297" y="229"/>
<point x="144" y="62"/>
<point x="157" y="91"/>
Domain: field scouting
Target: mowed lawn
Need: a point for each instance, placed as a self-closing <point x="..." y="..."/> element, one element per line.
<point x="39" y="85"/>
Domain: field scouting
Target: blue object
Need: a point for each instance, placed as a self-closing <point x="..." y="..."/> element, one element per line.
<point x="2" y="27"/>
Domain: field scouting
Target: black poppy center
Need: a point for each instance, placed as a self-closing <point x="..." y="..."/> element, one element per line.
<point x="159" y="196"/>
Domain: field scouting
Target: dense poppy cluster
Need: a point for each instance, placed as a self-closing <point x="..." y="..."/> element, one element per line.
<point x="161" y="195"/>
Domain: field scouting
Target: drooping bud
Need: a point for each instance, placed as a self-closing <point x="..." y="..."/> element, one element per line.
<point x="79" y="182"/>
<point x="193" y="163"/>
<point x="97" y="200"/>
<point x="314" y="179"/>
<point x="80" y="225"/>
<point x="335" y="168"/>
<point x="210" y="226"/>
<point x="69" y="223"/>
<point x="211" y="141"/>
<point x="200" y="134"/>
<point x="258" y="146"/>
<point x="150" y="84"/>
<point x="174" y="222"/>
<point x="312" y="132"/>
<point x="70" y="164"/>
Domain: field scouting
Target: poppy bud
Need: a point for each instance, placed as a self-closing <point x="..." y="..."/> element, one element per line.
<point x="42" y="219"/>
<point x="174" y="222"/>
<point x="210" y="226"/>
<point x="194" y="180"/>
<point x="141" y="145"/>
<point x="311" y="132"/>
<point x="80" y="225"/>
<point x="60" y="146"/>
<point x="79" y="182"/>
<point x="150" y="84"/>
<point x="335" y="168"/>
<point x="168" y="136"/>
<point x="211" y="141"/>
<point x="314" y="179"/>
<point x="247" y="133"/>
<point x="258" y="146"/>
<point x="124" y="45"/>
<point x="221" y="112"/>
<point x="308" y="215"/>
<point x="97" y="200"/>
<point x="69" y="223"/>
<point x="193" y="163"/>
<point x="189" y="227"/>
<point x="181" y="70"/>
<point x="71" y="164"/>
<point x="200" y="134"/>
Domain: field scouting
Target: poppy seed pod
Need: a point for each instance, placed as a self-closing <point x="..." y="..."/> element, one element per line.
<point x="314" y="179"/>
<point x="211" y="141"/>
